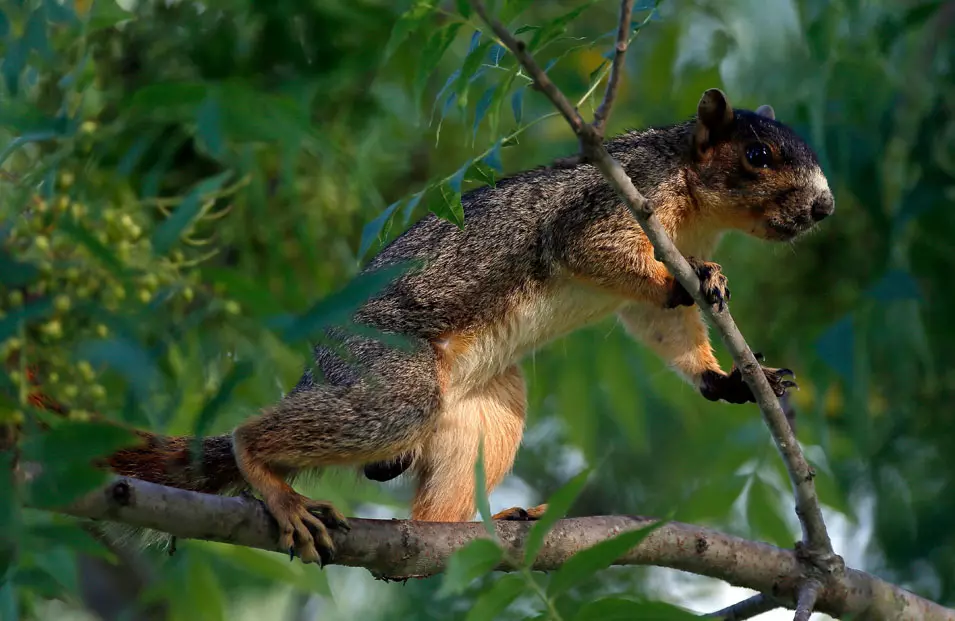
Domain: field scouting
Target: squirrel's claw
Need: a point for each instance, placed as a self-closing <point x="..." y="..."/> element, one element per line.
<point x="303" y="526"/>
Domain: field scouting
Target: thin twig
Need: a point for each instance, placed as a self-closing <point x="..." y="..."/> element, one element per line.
<point x="616" y="70"/>
<point x="746" y="609"/>
<point x="808" y="593"/>
<point x="815" y="536"/>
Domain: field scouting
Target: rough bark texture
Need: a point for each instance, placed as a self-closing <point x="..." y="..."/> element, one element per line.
<point x="402" y="548"/>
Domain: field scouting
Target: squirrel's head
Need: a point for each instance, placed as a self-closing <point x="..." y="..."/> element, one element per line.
<point x="753" y="173"/>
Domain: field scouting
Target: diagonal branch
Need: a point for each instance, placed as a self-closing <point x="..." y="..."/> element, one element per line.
<point x="817" y="545"/>
<point x="404" y="549"/>
<point x="746" y="609"/>
<point x="808" y="593"/>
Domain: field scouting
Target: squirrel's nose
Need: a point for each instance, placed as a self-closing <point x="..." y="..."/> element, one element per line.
<point x="822" y="207"/>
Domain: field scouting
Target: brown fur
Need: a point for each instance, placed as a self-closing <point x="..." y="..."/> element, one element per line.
<point x="542" y="253"/>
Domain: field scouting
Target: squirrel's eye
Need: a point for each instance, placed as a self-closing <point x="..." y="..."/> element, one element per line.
<point x="759" y="156"/>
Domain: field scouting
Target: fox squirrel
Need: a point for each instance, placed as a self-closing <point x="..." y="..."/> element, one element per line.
<point x="543" y="252"/>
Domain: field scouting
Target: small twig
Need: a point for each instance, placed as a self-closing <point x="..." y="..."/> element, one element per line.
<point x="746" y="609"/>
<point x="808" y="593"/>
<point x="616" y="70"/>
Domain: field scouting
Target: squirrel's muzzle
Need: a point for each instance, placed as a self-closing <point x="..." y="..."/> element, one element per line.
<point x="823" y="206"/>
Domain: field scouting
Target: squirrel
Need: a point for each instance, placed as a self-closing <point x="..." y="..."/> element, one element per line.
<point x="543" y="252"/>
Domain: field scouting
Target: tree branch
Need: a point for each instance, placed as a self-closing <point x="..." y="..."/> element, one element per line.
<point x="746" y="609"/>
<point x="403" y="548"/>
<point x="616" y="70"/>
<point x="808" y="593"/>
<point x="817" y="545"/>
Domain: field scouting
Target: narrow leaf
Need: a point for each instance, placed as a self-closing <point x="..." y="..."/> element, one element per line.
<point x="373" y="229"/>
<point x="517" y="104"/>
<point x="586" y="563"/>
<point x="493" y="601"/>
<point x="557" y="507"/>
<point x="172" y="228"/>
<point x="408" y="23"/>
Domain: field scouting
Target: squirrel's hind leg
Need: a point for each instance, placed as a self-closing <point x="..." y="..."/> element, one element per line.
<point x="445" y="466"/>
<point x="389" y="411"/>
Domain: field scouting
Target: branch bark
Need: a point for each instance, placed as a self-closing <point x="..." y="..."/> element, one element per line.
<point x="402" y="548"/>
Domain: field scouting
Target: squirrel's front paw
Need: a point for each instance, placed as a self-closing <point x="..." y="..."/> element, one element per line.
<point x="712" y="285"/>
<point x="303" y="526"/>
<point x="731" y="388"/>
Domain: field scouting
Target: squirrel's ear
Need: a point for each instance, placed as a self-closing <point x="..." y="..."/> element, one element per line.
<point x="767" y="111"/>
<point x="714" y="116"/>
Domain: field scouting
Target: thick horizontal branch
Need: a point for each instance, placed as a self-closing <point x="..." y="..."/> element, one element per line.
<point x="402" y="548"/>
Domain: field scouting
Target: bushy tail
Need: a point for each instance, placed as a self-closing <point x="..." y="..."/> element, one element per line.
<point x="170" y="461"/>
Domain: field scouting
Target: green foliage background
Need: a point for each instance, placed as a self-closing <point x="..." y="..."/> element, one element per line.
<point x="187" y="190"/>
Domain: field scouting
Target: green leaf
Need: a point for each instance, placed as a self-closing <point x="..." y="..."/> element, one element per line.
<point x="70" y="535"/>
<point x="450" y="208"/>
<point x="763" y="513"/>
<point x="75" y="442"/>
<point x="494" y="115"/>
<point x="106" y="13"/>
<point x="209" y="125"/>
<point x="80" y="235"/>
<point x="472" y="63"/>
<point x="275" y="568"/>
<point x="204" y="598"/>
<point x="586" y="563"/>
<point x="480" y="110"/>
<point x="557" y="506"/>
<point x="434" y="50"/>
<point x="245" y="290"/>
<point x="464" y="8"/>
<point x="237" y="374"/>
<point x="169" y="98"/>
<point x="622" y="609"/>
<point x="9" y="610"/>
<point x="480" y="494"/>
<point x="494" y="600"/>
<point x="474" y="560"/>
<point x="556" y="27"/>
<point x="408" y="23"/>
<point x="493" y="158"/>
<point x="517" y="104"/>
<point x="339" y="307"/>
<point x="126" y="358"/>
<point x="171" y="229"/>
<point x="373" y="229"/>
<point x="412" y="204"/>
<point x="457" y="179"/>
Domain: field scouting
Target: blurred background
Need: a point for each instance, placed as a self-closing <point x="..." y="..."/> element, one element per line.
<point x="185" y="189"/>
